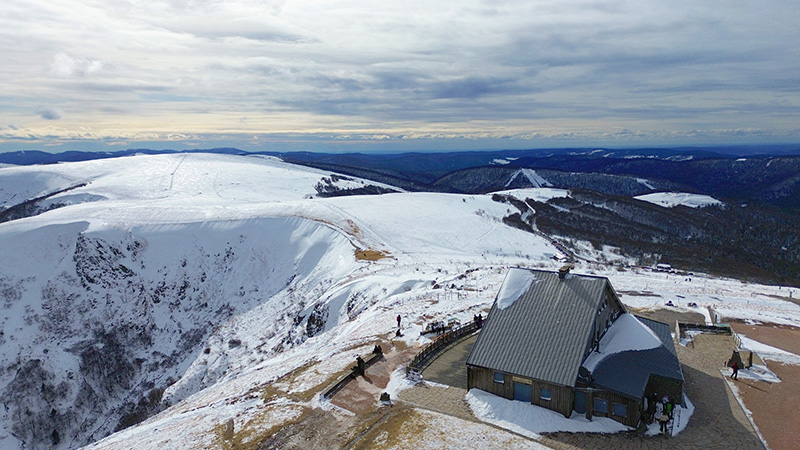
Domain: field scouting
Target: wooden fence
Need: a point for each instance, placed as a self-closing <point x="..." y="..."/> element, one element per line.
<point x="430" y="351"/>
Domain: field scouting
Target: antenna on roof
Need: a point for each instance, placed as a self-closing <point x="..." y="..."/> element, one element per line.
<point x="564" y="270"/>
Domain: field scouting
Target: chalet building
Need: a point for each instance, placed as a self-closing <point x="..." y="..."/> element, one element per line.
<point x="565" y="342"/>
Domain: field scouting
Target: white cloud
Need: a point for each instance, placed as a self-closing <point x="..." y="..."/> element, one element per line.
<point x="66" y="66"/>
<point x="413" y="68"/>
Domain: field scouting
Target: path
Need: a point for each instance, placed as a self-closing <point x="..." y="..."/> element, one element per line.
<point x="718" y="422"/>
<point x="449" y="367"/>
<point x="774" y="405"/>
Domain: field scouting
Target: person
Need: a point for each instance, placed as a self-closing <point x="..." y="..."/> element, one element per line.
<point x="398" y="321"/>
<point x="668" y="408"/>
<point x="377" y="350"/>
<point x="664" y="420"/>
<point x="360" y="365"/>
<point x="659" y="412"/>
<point x="735" y="374"/>
<point x="480" y="320"/>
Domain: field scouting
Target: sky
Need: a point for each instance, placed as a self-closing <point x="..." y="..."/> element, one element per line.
<point x="413" y="75"/>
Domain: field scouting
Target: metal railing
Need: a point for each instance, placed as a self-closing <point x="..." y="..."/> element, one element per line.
<point x="429" y="352"/>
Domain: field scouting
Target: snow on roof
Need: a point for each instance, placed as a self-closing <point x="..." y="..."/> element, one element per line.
<point x="625" y="334"/>
<point x="517" y="282"/>
<point x="673" y="199"/>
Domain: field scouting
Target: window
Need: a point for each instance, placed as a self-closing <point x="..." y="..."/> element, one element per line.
<point x="620" y="410"/>
<point x="499" y="377"/>
<point x="544" y="394"/>
<point x="600" y="406"/>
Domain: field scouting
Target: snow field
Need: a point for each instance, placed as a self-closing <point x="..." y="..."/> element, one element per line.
<point x="673" y="199"/>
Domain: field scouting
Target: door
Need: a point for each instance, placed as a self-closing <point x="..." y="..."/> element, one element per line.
<point x="522" y="392"/>
<point x="580" y="402"/>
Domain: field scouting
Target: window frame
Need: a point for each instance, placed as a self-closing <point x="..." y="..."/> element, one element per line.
<point x="542" y="394"/>
<point x="614" y="409"/>
<point x="501" y="379"/>
<point x="604" y="403"/>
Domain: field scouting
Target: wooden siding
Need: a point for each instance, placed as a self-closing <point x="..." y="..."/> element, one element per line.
<point x="603" y="317"/>
<point x="633" y="407"/>
<point x="483" y="379"/>
<point x="561" y="397"/>
<point x="561" y="400"/>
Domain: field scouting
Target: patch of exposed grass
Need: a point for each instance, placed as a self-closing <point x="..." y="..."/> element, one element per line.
<point x="260" y="428"/>
<point x="398" y="429"/>
<point x="370" y="255"/>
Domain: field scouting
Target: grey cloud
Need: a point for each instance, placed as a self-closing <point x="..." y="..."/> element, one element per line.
<point x="120" y="86"/>
<point x="49" y="113"/>
<point x="473" y="87"/>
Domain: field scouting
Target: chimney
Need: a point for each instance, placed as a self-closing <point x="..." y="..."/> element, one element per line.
<point x="564" y="270"/>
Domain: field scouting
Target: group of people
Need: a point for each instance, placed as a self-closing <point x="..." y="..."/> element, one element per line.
<point x="478" y="319"/>
<point x="659" y="410"/>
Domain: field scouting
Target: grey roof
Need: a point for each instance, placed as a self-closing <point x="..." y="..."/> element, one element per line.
<point x="543" y="335"/>
<point x="628" y="372"/>
<point x="661" y="330"/>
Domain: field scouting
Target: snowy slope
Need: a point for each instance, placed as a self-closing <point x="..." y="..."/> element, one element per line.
<point x="673" y="199"/>
<point x="169" y="273"/>
<point x="193" y="280"/>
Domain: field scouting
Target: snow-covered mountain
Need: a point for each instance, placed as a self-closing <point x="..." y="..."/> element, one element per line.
<point x="157" y="276"/>
<point x="186" y="284"/>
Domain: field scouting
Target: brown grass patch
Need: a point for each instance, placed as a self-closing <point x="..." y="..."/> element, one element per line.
<point x="370" y="255"/>
<point x="257" y="430"/>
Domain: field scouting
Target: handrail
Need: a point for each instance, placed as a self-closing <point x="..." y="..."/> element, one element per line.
<point x="451" y="336"/>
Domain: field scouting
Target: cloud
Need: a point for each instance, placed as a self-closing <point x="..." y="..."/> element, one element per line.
<point x="363" y="68"/>
<point x="48" y="113"/>
<point x="66" y="66"/>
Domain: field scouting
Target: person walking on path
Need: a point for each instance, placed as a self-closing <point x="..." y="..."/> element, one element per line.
<point x="735" y="374"/>
<point x="398" y="321"/>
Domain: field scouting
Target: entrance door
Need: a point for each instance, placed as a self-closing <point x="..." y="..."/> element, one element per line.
<point x="522" y="392"/>
<point x="580" y="402"/>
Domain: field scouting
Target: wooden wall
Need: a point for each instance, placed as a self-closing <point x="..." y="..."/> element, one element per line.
<point x="633" y="407"/>
<point x="483" y="379"/>
<point x="562" y="398"/>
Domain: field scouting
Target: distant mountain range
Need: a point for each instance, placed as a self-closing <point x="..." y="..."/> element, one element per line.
<point x="769" y="175"/>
